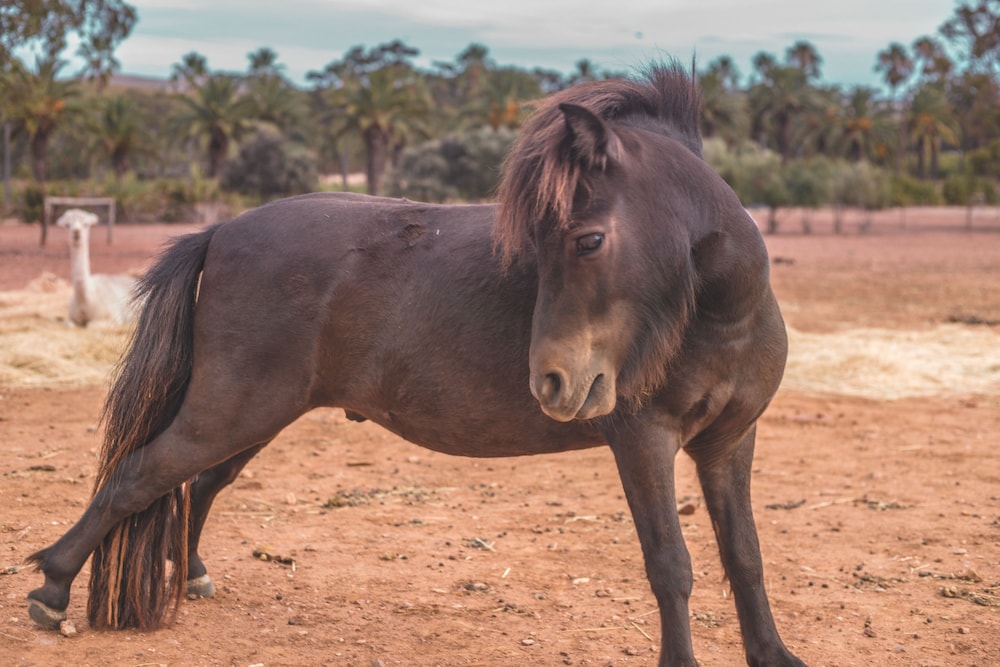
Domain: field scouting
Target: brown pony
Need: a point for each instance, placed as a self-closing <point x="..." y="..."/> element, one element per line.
<point x="618" y="296"/>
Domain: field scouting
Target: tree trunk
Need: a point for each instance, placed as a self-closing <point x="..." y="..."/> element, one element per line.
<point x="7" y="200"/>
<point x="935" y="152"/>
<point x="344" y="169"/>
<point x="218" y="147"/>
<point x="377" y="145"/>
<point x="900" y="148"/>
<point x="39" y="149"/>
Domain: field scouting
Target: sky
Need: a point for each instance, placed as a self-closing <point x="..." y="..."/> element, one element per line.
<point x="617" y="35"/>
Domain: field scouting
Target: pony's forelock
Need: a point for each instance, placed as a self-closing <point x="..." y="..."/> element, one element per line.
<point x="541" y="178"/>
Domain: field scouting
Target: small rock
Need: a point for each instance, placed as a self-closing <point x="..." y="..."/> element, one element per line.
<point x="67" y="629"/>
<point x="963" y="630"/>
<point x="687" y="509"/>
<point x="869" y="631"/>
<point x="528" y="642"/>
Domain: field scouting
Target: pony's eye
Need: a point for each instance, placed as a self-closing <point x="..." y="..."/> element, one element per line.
<point x="589" y="243"/>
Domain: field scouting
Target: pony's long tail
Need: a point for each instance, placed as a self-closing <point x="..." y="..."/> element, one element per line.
<point x="131" y="583"/>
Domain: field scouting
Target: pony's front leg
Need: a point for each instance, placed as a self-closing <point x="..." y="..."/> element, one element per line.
<point x="645" y="457"/>
<point x="725" y="481"/>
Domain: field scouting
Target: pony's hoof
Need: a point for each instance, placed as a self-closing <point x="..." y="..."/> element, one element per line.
<point x="200" y="587"/>
<point x="45" y="616"/>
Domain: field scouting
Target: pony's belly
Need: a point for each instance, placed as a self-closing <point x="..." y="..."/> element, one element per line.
<point x="486" y="434"/>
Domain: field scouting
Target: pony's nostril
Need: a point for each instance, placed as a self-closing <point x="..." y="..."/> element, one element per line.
<point x="551" y="386"/>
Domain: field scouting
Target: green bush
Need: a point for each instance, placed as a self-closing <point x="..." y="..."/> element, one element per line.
<point x="863" y="186"/>
<point x="269" y="167"/>
<point x="463" y="165"/>
<point x="908" y="191"/>
<point x="32" y="203"/>
<point x="969" y="190"/>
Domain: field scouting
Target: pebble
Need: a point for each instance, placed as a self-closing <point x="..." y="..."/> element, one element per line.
<point x="687" y="509"/>
<point x="67" y="629"/>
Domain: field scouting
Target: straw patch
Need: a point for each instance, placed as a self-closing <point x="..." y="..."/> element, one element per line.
<point x="889" y="364"/>
<point x="39" y="347"/>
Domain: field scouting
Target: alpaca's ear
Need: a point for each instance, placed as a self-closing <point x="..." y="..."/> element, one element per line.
<point x="90" y="219"/>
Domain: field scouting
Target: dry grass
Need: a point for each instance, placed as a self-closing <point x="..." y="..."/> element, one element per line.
<point x="38" y="348"/>
<point x="892" y="364"/>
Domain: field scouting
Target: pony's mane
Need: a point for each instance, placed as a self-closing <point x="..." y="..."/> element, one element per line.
<point x="540" y="178"/>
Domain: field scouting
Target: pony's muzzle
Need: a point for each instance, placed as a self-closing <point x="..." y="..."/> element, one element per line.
<point x="563" y="400"/>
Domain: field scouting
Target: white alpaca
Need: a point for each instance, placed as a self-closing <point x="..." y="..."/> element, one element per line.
<point x="95" y="297"/>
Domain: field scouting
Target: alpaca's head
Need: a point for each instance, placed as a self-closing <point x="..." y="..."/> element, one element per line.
<point x="78" y="222"/>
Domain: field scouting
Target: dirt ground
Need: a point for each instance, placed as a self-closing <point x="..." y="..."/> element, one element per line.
<point x="876" y="493"/>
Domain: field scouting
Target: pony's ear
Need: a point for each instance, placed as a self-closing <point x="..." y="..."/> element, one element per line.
<point x="591" y="140"/>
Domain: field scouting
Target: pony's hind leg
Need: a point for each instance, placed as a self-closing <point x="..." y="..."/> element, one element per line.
<point x="146" y="474"/>
<point x="725" y="482"/>
<point x="204" y="488"/>
<point x="197" y="440"/>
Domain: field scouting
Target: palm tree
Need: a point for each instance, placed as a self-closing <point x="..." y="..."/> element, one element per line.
<point x="120" y="129"/>
<point x="383" y="107"/>
<point x="776" y="103"/>
<point x="936" y="65"/>
<point x="271" y="97"/>
<point x="191" y="72"/>
<point x="723" y="109"/>
<point x="264" y="62"/>
<point x="5" y="120"/>
<point x="930" y="124"/>
<point x="506" y="90"/>
<point x="585" y="71"/>
<point x="819" y="124"/>
<point x="803" y="55"/>
<point x="975" y="96"/>
<point x="217" y="112"/>
<point x="378" y="96"/>
<point x="725" y="70"/>
<point x="867" y="132"/>
<point x="40" y="101"/>
<point x="978" y="26"/>
<point x="896" y="67"/>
